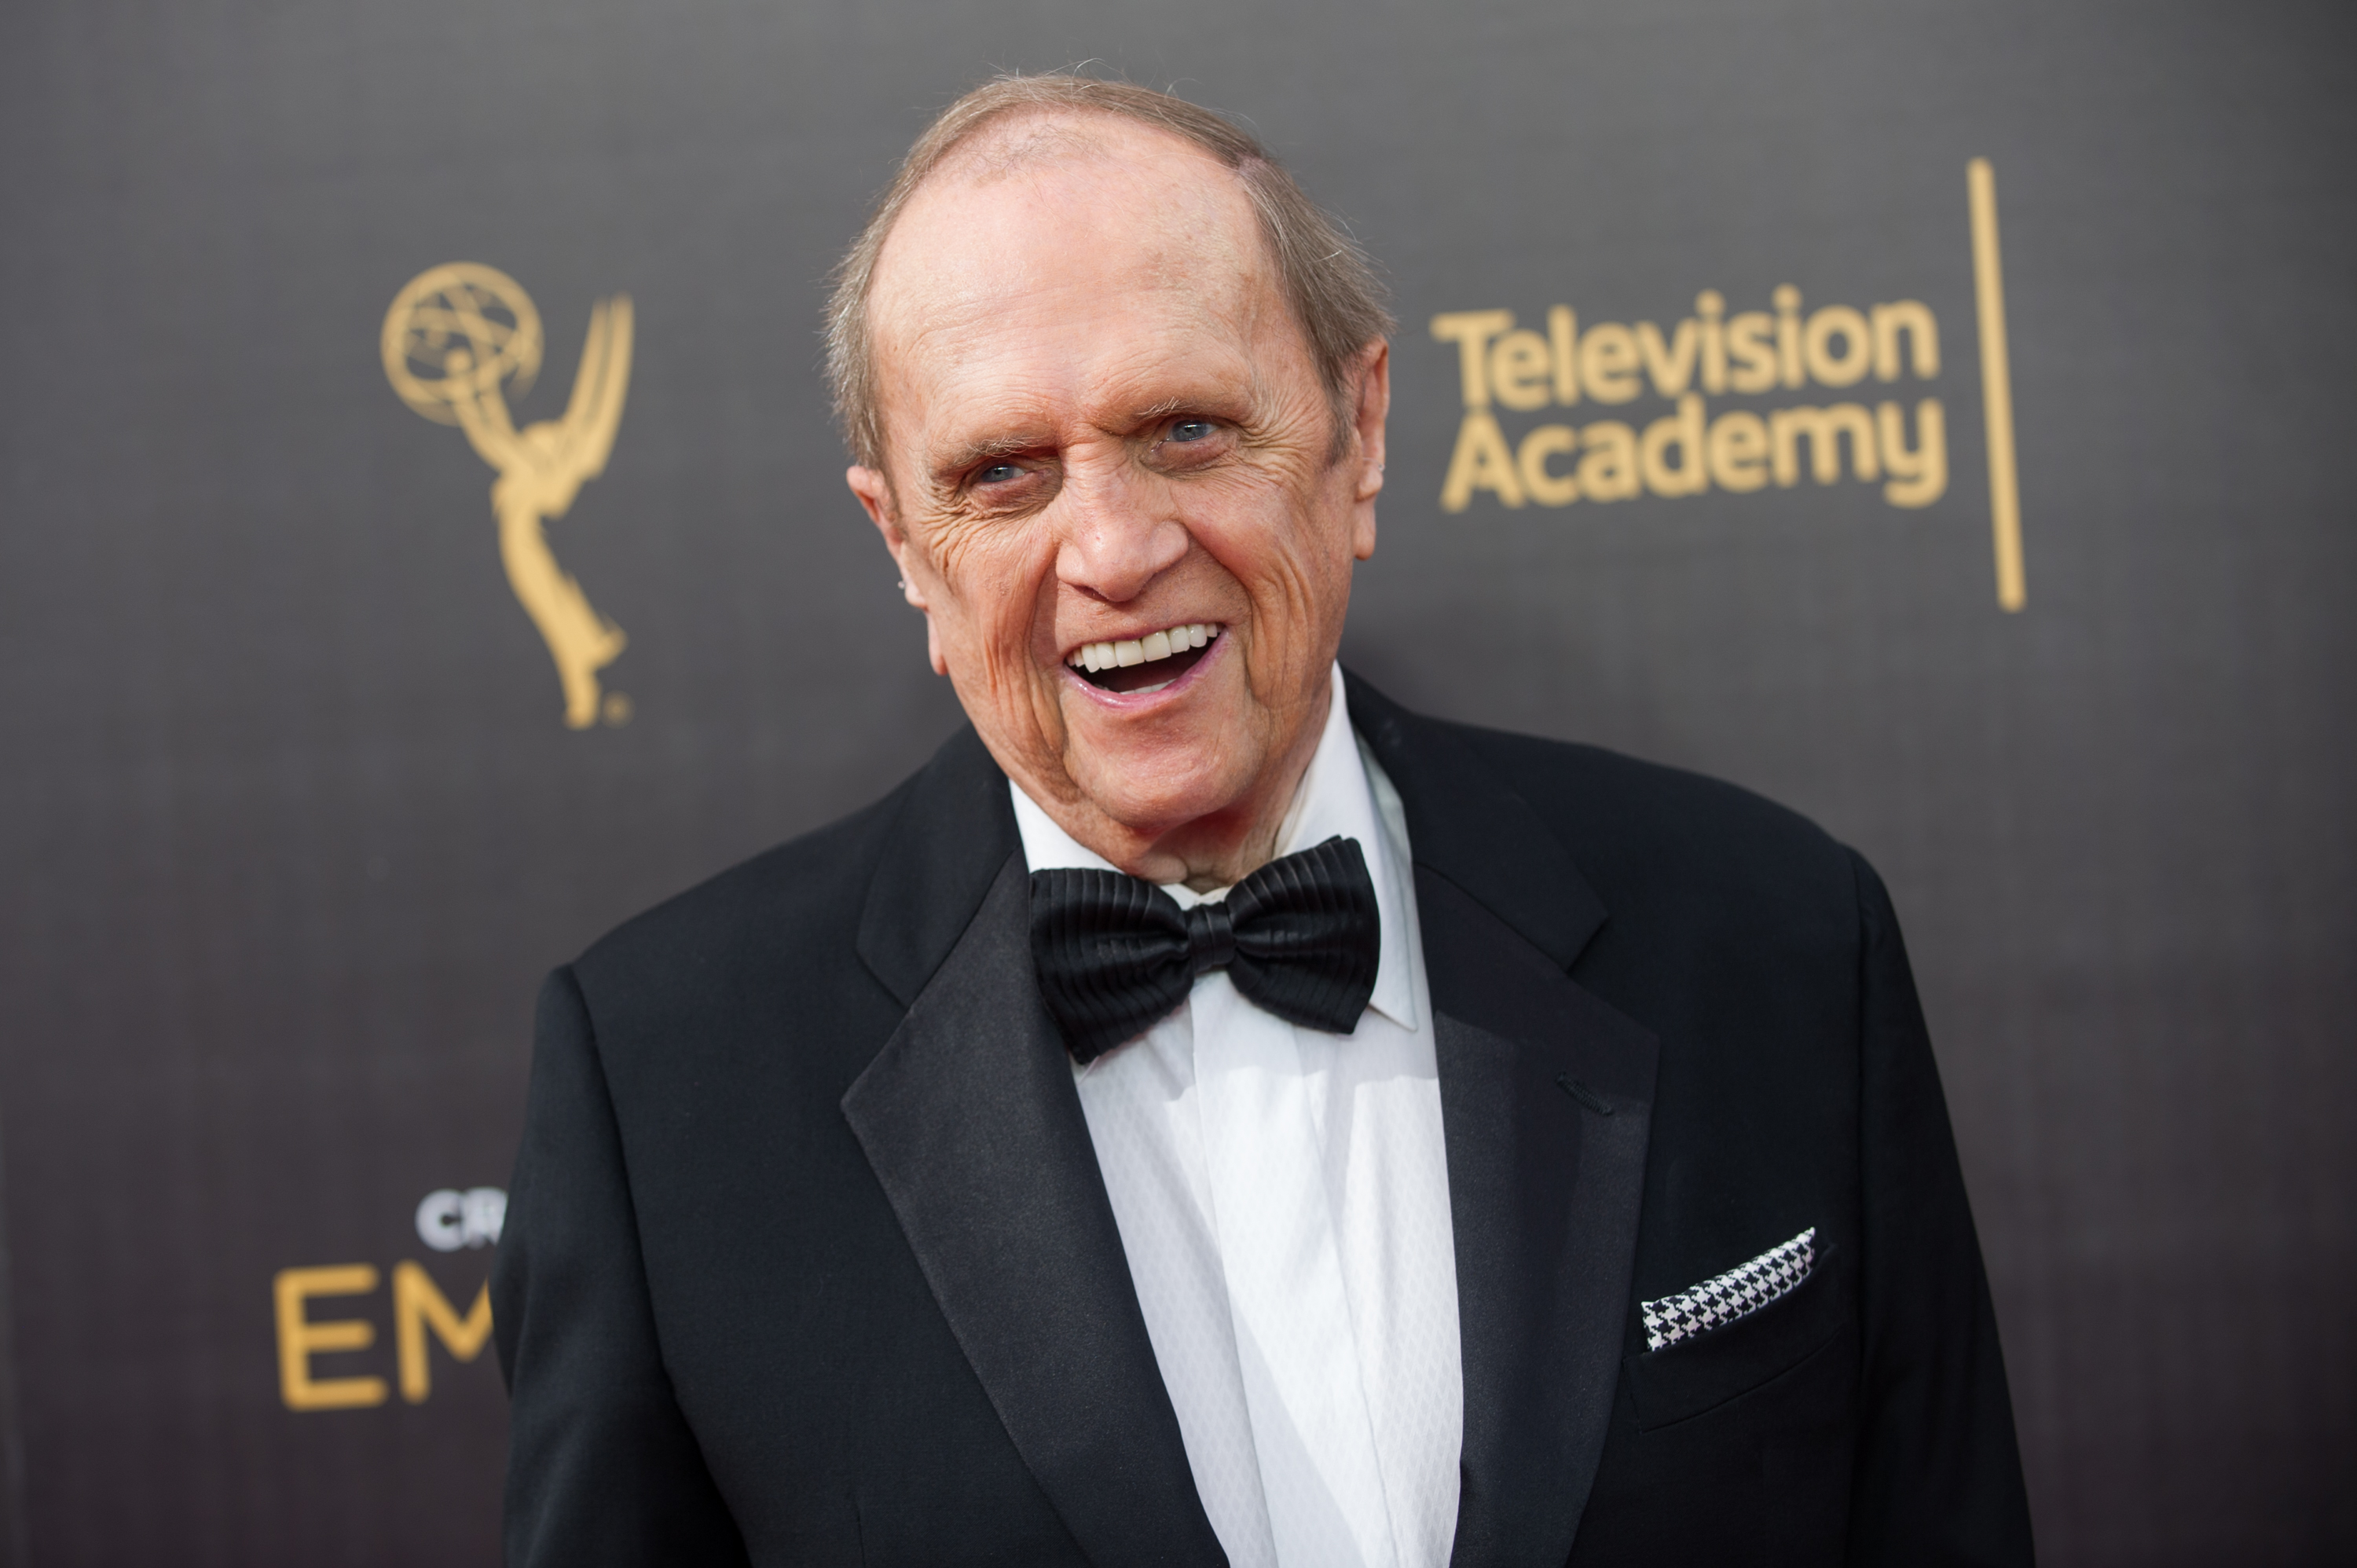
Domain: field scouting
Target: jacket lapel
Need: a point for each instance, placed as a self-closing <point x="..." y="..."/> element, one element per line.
<point x="1547" y="1096"/>
<point x="971" y="1120"/>
<point x="950" y="836"/>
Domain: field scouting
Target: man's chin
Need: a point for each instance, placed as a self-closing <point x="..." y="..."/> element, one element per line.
<point x="1143" y="813"/>
<point x="1150" y="779"/>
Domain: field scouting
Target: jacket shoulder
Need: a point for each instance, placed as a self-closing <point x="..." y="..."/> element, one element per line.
<point x="785" y="916"/>
<point x="1579" y="783"/>
<point x="1655" y="839"/>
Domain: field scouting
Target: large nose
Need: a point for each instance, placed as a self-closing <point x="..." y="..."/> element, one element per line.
<point x="1117" y="531"/>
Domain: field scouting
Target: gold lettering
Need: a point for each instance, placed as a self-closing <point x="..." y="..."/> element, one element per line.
<point x="1520" y="371"/>
<point x="1607" y="362"/>
<point x="1914" y="319"/>
<point x="1751" y="339"/>
<point x="1563" y="341"/>
<point x="418" y="1304"/>
<point x="1482" y="462"/>
<point x="1823" y="428"/>
<point x="1738" y="451"/>
<point x="1607" y="472"/>
<point x="1682" y="430"/>
<point x="1920" y="477"/>
<point x="1471" y="330"/>
<point x="299" y="1338"/>
<point x="1710" y="307"/>
<point x="1850" y="366"/>
<point x="1787" y="300"/>
<point x="1546" y="489"/>
<point x="1671" y="364"/>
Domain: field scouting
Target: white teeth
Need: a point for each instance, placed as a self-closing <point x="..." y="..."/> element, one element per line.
<point x="1155" y="645"/>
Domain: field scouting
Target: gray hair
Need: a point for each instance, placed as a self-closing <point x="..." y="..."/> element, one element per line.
<point x="1328" y="283"/>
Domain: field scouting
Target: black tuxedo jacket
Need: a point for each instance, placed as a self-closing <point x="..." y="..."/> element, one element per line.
<point x="808" y="1259"/>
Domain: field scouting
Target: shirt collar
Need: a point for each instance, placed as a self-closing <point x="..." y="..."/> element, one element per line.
<point x="1338" y="794"/>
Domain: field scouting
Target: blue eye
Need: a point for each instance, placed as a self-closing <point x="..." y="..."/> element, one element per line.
<point x="998" y="474"/>
<point x="1189" y="430"/>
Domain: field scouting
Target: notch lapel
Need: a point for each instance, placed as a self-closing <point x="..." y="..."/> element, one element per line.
<point x="970" y="1117"/>
<point x="1545" y="1100"/>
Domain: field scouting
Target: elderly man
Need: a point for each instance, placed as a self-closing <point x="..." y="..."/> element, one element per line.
<point x="1210" y="1113"/>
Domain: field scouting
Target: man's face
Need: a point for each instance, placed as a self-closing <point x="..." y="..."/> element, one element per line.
<point x="1105" y="430"/>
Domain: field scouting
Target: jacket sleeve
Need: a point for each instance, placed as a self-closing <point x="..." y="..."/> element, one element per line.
<point x="1939" y="1478"/>
<point x="602" y="1467"/>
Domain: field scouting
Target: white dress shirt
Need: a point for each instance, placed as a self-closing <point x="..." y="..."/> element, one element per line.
<point x="1283" y="1198"/>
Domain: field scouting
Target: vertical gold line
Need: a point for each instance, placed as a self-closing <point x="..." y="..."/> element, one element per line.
<point x="1997" y="386"/>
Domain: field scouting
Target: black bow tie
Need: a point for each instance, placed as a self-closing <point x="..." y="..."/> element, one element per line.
<point x="1299" y="937"/>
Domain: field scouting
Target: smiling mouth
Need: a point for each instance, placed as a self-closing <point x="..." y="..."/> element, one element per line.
<point x="1146" y="663"/>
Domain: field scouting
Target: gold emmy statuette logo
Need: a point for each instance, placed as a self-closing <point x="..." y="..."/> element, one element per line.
<point x="454" y="334"/>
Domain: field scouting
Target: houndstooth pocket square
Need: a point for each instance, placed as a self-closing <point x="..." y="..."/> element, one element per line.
<point x="1739" y="1293"/>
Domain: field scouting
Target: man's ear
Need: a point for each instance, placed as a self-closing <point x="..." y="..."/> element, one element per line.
<point x="1372" y="408"/>
<point x="874" y="493"/>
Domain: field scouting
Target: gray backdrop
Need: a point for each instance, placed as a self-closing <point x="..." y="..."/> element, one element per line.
<point x="290" y="825"/>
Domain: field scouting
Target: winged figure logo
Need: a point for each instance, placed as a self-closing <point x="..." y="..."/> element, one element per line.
<point x="459" y="334"/>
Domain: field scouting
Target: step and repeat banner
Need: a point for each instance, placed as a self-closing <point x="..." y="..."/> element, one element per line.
<point x="423" y="545"/>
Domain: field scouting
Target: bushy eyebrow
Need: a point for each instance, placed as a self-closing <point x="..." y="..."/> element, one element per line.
<point x="1166" y="408"/>
<point x="958" y="460"/>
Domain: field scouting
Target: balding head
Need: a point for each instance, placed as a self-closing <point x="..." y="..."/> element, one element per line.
<point x="1003" y="268"/>
<point x="1321" y="272"/>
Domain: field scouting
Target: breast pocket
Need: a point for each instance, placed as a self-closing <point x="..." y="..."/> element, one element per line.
<point x="1698" y="1373"/>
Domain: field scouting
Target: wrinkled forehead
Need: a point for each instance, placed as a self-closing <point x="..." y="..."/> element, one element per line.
<point x="1055" y="225"/>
